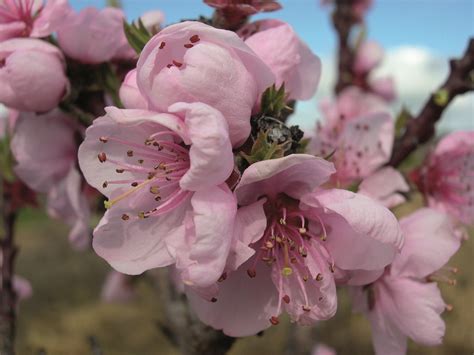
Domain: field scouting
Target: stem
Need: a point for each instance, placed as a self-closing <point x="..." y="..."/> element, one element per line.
<point x="422" y="128"/>
<point x="183" y="328"/>
<point x="7" y="293"/>
<point x="343" y="20"/>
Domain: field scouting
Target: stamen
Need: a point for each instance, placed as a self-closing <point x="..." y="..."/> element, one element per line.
<point x="102" y="157"/>
<point x="194" y="39"/>
<point x="109" y="203"/>
<point x="274" y="320"/>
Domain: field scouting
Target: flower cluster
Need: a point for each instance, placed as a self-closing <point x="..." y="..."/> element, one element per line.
<point x="200" y="171"/>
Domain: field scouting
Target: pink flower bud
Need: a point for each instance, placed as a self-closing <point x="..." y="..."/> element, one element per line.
<point x="32" y="77"/>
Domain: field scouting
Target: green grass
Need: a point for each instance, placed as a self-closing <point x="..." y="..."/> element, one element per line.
<point x="65" y="309"/>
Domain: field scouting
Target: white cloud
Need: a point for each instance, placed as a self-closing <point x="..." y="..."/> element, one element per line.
<point x="417" y="71"/>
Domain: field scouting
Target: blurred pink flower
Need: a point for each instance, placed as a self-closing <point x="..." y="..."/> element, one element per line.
<point x="118" y="288"/>
<point x="153" y="21"/>
<point x="289" y="58"/>
<point x="404" y="302"/>
<point x="291" y="239"/>
<point x="446" y="177"/>
<point x="323" y="349"/>
<point x="386" y="185"/>
<point x="21" y="286"/>
<point x="369" y="55"/>
<point x="94" y="36"/>
<point x="31" y="18"/>
<point x="358" y="131"/>
<point x="32" y="75"/>
<point x="164" y="175"/>
<point x="45" y="150"/>
<point x="193" y="62"/>
<point x="130" y="94"/>
<point x="244" y="7"/>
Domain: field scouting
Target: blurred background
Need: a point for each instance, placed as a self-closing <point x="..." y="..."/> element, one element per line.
<point x="65" y="315"/>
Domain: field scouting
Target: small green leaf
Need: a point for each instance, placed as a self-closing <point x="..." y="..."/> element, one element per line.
<point x="137" y="35"/>
<point x="274" y="101"/>
<point x="303" y="145"/>
<point x="262" y="149"/>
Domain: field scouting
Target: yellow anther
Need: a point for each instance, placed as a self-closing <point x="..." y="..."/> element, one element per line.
<point x="287" y="271"/>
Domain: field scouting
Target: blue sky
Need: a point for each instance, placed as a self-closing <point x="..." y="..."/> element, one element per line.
<point x="418" y="35"/>
<point x="442" y="25"/>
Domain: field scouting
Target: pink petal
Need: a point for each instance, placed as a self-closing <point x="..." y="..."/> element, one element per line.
<point x="385" y="186"/>
<point x="414" y="308"/>
<point x="244" y="305"/>
<point x="249" y="226"/>
<point x="136" y="245"/>
<point x="455" y="141"/>
<point x="364" y="235"/>
<point x="117" y="288"/>
<point x="384" y="87"/>
<point x="130" y="125"/>
<point x="429" y="244"/>
<point x="129" y="93"/>
<point x="218" y="61"/>
<point x="67" y="202"/>
<point x="50" y="18"/>
<point x="212" y="160"/>
<point x="364" y="146"/>
<point x="290" y="59"/>
<point x="44" y="148"/>
<point x="295" y="175"/>
<point x="22" y="288"/>
<point x="369" y="55"/>
<point x="214" y="213"/>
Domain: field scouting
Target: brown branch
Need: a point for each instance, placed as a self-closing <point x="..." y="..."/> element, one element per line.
<point x="7" y="293"/>
<point x="182" y="327"/>
<point x="343" y="20"/>
<point x="422" y="128"/>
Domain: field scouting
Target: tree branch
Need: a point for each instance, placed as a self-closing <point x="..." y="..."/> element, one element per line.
<point x="182" y="327"/>
<point x="7" y="292"/>
<point x="422" y="128"/>
<point x="343" y="20"/>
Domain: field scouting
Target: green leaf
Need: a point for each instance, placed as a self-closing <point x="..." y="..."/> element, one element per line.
<point x="137" y="35"/>
<point x="262" y="149"/>
<point x="303" y="145"/>
<point x="274" y="101"/>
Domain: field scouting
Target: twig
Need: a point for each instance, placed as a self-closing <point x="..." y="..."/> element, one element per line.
<point x="343" y="20"/>
<point x="422" y="128"/>
<point x="7" y="292"/>
<point x="183" y="329"/>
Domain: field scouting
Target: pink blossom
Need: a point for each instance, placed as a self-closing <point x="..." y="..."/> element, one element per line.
<point x="130" y="94"/>
<point x="118" y="288"/>
<point x="446" y="178"/>
<point x="289" y="58"/>
<point x="404" y="302"/>
<point x="94" y="36"/>
<point x="244" y="7"/>
<point x="386" y="186"/>
<point x="153" y="21"/>
<point x="358" y="131"/>
<point x="164" y="175"/>
<point x="383" y="87"/>
<point x="32" y="76"/>
<point x="25" y="18"/>
<point x="369" y="55"/>
<point x="45" y="150"/>
<point x="323" y="349"/>
<point x="291" y="239"/>
<point x="349" y="105"/>
<point x="21" y="286"/>
<point x="193" y="62"/>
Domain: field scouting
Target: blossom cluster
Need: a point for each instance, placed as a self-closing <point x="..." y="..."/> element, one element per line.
<point x="200" y="172"/>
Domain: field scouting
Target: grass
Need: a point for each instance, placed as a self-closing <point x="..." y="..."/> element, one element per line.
<point x="65" y="310"/>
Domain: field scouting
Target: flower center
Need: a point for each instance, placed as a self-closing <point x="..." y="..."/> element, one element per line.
<point x="156" y="165"/>
<point x="288" y="244"/>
